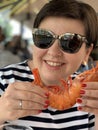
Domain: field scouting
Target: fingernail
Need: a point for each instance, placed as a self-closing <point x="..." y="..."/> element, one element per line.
<point x="47" y="102"/>
<point x="46" y="106"/>
<point x="79" y="108"/>
<point x="82" y="91"/>
<point x="79" y="100"/>
<point x="47" y="94"/>
<point x="84" y="85"/>
<point x="39" y="111"/>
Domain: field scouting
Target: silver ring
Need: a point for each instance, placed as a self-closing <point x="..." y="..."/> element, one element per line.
<point x="20" y="104"/>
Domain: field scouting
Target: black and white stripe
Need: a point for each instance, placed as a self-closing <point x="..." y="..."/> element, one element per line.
<point x="49" y="119"/>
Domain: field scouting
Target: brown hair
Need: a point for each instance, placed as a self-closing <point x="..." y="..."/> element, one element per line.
<point x="72" y="9"/>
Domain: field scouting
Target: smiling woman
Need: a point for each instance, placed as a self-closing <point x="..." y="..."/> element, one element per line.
<point x="64" y="34"/>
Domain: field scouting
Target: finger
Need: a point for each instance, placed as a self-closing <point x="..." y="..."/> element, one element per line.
<point x="89" y="93"/>
<point x="87" y="109"/>
<point x="12" y="101"/>
<point x="30" y="96"/>
<point x="11" y="104"/>
<point x="13" y="92"/>
<point x="28" y="86"/>
<point x="91" y="85"/>
<point x="90" y="103"/>
<point x="29" y="105"/>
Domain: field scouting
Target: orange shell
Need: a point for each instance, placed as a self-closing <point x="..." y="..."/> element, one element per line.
<point x="65" y="98"/>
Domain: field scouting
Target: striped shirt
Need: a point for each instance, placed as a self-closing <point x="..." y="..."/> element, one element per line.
<point x="49" y="119"/>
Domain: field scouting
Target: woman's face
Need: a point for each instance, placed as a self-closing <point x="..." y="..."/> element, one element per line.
<point x="53" y="63"/>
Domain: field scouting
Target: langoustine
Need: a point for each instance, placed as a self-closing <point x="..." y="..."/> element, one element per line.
<point x="64" y="98"/>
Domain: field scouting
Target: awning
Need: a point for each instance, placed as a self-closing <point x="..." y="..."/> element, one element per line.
<point x="22" y="10"/>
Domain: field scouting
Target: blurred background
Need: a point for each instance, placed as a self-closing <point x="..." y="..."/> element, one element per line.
<point x="16" y="21"/>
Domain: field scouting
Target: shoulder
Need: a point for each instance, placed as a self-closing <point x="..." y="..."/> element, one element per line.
<point x="15" y="72"/>
<point x="16" y="66"/>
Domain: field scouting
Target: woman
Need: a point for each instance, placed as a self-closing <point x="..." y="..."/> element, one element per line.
<point x="64" y="34"/>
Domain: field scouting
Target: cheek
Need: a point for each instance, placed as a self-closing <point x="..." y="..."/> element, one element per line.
<point x="76" y="59"/>
<point x="80" y="56"/>
<point x="75" y="63"/>
<point x="37" y="53"/>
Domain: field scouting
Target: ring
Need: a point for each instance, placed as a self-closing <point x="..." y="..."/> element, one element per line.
<point x="20" y="104"/>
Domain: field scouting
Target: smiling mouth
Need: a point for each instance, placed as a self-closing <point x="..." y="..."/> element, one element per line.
<point x="54" y="64"/>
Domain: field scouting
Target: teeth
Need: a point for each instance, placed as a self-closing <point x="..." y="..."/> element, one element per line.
<point x="53" y="63"/>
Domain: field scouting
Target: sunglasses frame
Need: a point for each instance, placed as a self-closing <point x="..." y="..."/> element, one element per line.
<point x="54" y="37"/>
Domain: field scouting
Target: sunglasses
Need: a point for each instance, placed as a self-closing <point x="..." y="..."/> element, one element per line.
<point x="68" y="42"/>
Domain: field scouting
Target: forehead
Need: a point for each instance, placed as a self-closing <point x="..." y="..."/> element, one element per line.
<point x="61" y="25"/>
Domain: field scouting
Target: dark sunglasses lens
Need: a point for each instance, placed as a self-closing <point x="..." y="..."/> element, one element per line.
<point x="42" y="38"/>
<point x="70" y="43"/>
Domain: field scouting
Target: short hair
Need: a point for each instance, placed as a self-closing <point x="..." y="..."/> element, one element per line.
<point x="72" y="9"/>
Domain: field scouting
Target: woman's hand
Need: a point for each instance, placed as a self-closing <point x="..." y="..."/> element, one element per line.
<point x="22" y="99"/>
<point x="89" y="97"/>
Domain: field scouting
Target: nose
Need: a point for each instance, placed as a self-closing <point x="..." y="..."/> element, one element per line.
<point x="55" y="50"/>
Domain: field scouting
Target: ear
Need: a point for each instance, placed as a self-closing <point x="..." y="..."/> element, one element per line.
<point x="88" y="51"/>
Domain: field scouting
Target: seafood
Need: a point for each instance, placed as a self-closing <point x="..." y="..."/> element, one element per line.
<point x="62" y="98"/>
